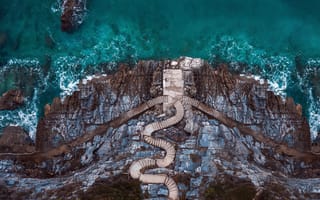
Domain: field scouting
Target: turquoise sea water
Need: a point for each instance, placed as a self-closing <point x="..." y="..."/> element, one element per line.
<point x="276" y="39"/>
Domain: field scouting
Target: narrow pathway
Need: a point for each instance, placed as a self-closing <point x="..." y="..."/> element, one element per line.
<point x="138" y="166"/>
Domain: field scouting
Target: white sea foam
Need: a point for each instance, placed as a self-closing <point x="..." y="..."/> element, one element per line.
<point x="272" y="86"/>
<point x="68" y="69"/>
<point x="25" y="117"/>
<point x="314" y="112"/>
<point x="313" y="62"/>
<point x="68" y="89"/>
<point x="28" y="117"/>
<point x="56" y="7"/>
<point x="73" y="86"/>
<point x="17" y="61"/>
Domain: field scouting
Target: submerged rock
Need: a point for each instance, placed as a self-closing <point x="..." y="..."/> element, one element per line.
<point x="3" y="39"/>
<point x="237" y="137"/>
<point x="11" y="100"/>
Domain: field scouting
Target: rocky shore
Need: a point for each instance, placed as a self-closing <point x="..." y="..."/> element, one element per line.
<point x="239" y="139"/>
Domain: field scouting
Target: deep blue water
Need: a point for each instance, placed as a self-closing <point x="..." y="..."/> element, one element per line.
<point x="277" y="39"/>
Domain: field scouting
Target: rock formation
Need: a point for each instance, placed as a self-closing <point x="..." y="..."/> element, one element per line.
<point x="11" y="100"/>
<point x="73" y="13"/>
<point x="233" y="133"/>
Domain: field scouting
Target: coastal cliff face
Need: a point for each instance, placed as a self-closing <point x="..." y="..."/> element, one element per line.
<point x="257" y="144"/>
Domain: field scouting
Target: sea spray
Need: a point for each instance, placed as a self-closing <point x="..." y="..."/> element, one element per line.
<point x="314" y="115"/>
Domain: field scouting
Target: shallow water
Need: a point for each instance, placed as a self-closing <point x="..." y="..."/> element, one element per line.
<point x="278" y="39"/>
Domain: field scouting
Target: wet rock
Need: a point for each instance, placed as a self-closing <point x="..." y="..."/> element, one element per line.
<point x="11" y="100"/>
<point x="15" y="139"/>
<point x="73" y="13"/>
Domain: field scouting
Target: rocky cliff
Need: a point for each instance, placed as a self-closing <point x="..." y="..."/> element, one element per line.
<point x="236" y="138"/>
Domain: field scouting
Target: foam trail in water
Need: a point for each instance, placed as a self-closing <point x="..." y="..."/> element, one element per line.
<point x="314" y="112"/>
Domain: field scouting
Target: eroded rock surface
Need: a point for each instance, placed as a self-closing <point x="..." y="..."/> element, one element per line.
<point x="234" y="129"/>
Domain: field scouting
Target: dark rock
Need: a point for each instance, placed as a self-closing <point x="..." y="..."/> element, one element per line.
<point x="229" y="187"/>
<point x="11" y="100"/>
<point x="73" y="12"/>
<point x="15" y="139"/>
<point x="117" y="188"/>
